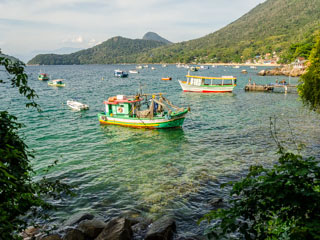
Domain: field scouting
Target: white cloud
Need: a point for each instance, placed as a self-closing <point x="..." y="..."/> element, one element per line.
<point x="73" y="39"/>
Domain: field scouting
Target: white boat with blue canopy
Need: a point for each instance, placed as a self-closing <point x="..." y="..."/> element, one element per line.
<point x="203" y="84"/>
<point x="120" y="73"/>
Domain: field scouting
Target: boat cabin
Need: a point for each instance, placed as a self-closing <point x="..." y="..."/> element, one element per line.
<point x="120" y="73"/>
<point x="57" y="81"/>
<point x="202" y="81"/>
<point x="43" y="76"/>
<point x="121" y="105"/>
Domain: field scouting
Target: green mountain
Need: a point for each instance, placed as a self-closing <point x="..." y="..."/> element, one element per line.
<point x="272" y="26"/>
<point x="114" y="50"/>
<point x="155" y="37"/>
<point x="285" y="27"/>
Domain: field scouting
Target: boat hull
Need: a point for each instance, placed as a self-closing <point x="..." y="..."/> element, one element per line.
<point x="157" y="123"/>
<point x="206" y="88"/>
<point x="57" y="85"/>
<point x="77" y="106"/>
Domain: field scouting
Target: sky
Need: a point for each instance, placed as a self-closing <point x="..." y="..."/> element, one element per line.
<point x="29" y="27"/>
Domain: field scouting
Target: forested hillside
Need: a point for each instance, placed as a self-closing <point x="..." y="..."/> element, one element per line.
<point x="114" y="50"/>
<point x="283" y="28"/>
<point x="272" y="26"/>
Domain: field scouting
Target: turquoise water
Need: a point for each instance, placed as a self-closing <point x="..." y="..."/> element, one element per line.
<point x="148" y="173"/>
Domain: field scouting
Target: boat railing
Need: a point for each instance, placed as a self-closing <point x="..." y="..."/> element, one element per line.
<point x="200" y="80"/>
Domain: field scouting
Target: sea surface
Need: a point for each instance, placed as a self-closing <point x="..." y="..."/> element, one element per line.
<point x="149" y="173"/>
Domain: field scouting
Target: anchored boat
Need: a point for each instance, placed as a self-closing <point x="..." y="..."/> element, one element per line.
<point x="78" y="106"/>
<point x="120" y="73"/>
<point x="208" y="84"/>
<point x="142" y="111"/>
<point x="43" y="76"/>
<point x="57" y="83"/>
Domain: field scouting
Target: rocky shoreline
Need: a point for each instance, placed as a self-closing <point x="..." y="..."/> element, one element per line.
<point x="85" y="226"/>
<point x="286" y="70"/>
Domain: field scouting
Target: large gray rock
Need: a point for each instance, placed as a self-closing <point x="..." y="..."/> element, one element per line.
<point x="78" y="217"/>
<point x="92" y="228"/>
<point x="162" y="229"/>
<point x="140" y="229"/>
<point x="262" y="73"/>
<point x="116" y="229"/>
<point x="52" y="237"/>
<point x="74" y="234"/>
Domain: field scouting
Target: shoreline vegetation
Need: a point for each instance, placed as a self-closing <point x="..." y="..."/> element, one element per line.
<point x="204" y="64"/>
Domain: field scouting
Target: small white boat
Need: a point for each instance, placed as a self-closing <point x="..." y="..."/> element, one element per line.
<point x="77" y="105"/>
<point x="153" y="68"/>
<point x="57" y="83"/>
<point x="139" y="67"/>
<point x="133" y="71"/>
<point x="120" y="73"/>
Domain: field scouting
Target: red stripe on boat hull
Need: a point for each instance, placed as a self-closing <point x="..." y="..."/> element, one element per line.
<point x="204" y="91"/>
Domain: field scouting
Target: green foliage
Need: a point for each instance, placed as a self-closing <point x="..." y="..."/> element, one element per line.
<point x="20" y="196"/>
<point x="309" y="89"/>
<point x="301" y="49"/>
<point x="282" y="202"/>
<point x="278" y="203"/>
<point x="18" y="79"/>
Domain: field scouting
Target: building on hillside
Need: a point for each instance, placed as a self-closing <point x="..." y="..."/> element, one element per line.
<point x="299" y="63"/>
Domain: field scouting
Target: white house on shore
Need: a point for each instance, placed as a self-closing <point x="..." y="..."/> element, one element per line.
<point x="299" y="63"/>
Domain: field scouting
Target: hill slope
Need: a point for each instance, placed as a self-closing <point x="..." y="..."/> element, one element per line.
<point x="114" y="50"/>
<point x="271" y="26"/>
<point x="155" y="37"/>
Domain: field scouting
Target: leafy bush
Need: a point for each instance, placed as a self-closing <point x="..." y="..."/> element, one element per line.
<point x="20" y="196"/>
<point x="309" y="90"/>
<point x="282" y="202"/>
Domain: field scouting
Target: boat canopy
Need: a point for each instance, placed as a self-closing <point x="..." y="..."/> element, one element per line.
<point x="121" y="101"/>
<point x="223" y="77"/>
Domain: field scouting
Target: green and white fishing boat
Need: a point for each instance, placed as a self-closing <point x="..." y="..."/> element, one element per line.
<point x="152" y="111"/>
<point x="43" y="77"/>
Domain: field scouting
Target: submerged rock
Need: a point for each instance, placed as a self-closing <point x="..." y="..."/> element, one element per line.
<point x="92" y="228"/>
<point x="52" y="237"/>
<point x="78" y="217"/>
<point x="216" y="202"/>
<point x="140" y="229"/>
<point x="74" y="234"/>
<point x="162" y="229"/>
<point x="116" y="229"/>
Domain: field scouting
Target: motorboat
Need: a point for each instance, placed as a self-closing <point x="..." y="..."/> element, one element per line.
<point x="77" y="105"/>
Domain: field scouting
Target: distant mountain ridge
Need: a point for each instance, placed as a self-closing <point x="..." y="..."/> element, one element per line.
<point x="271" y="27"/>
<point x="155" y="37"/>
<point x="115" y="50"/>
